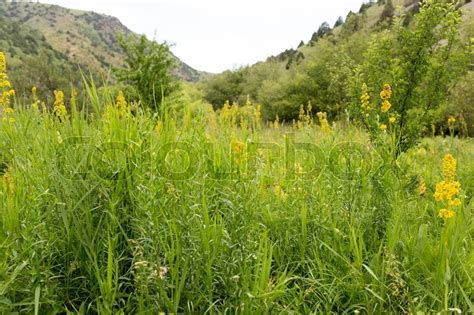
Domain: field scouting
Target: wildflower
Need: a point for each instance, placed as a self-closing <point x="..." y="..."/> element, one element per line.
<point x="386" y="93"/>
<point x="446" y="213"/>
<point x="238" y="147"/>
<point x="385" y="96"/>
<point x="422" y="187"/>
<point x="5" y="87"/>
<point x="448" y="189"/>
<point x="9" y="112"/>
<point x="121" y="104"/>
<point x="258" y="115"/>
<point x="324" y="122"/>
<point x="383" y="127"/>
<point x="454" y="203"/>
<point x="451" y="120"/>
<point x="59" y="107"/>
<point x="3" y="63"/>
<point x="385" y="106"/>
<point x="449" y="167"/>
<point x="392" y="120"/>
<point x="365" y="98"/>
<point x="234" y="111"/>
<point x="301" y="113"/>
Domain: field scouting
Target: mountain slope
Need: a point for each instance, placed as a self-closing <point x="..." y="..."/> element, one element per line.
<point x="75" y="37"/>
<point x="369" y="19"/>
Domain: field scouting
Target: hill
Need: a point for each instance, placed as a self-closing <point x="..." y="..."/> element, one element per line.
<point x="64" y="38"/>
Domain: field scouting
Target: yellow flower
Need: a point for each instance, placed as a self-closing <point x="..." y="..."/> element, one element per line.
<point x="451" y="120"/>
<point x="449" y="167"/>
<point x="59" y="107"/>
<point x="238" y="147"/>
<point x="383" y="127"/>
<point x="385" y="106"/>
<point x="392" y="120"/>
<point x="5" y="87"/>
<point x="3" y="63"/>
<point x="121" y="104"/>
<point x="386" y="92"/>
<point x="454" y="203"/>
<point x="447" y="190"/>
<point x="33" y="92"/>
<point x="322" y="116"/>
<point x="446" y="213"/>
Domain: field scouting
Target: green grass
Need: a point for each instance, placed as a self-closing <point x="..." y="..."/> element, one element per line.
<point x="97" y="222"/>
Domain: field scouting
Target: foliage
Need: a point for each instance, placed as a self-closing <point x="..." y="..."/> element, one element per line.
<point x="149" y="66"/>
<point x="421" y="63"/>
<point x="101" y="215"/>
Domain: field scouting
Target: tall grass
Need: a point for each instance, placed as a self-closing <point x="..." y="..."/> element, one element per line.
<point x="104" y="216"/>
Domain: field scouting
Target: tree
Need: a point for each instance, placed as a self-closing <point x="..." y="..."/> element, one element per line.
<point x="323" y="30"/>
<point x="148" y="69"/>
<point x="339" y="21"/>
<point x="421" y="63"/>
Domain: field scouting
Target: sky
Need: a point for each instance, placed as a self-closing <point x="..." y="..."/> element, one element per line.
<point x="216" y="35"/>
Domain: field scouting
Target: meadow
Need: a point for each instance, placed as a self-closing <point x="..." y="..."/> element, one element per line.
<point x="116" y="210"/>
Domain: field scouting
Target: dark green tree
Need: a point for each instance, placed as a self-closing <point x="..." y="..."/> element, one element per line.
<point x="323" y="30"/>
<point x="149" y="66"/>
<point x="339" y="21"/>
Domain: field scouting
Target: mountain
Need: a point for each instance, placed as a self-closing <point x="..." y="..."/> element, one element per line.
<point x="67" y="38"/>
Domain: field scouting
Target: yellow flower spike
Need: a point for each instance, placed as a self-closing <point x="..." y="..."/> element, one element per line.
<point x="121" y="104"/>
<point x="386" y="93"/>
<point x="449" y="167"/>
<point x="383" y="127"/>
<point x="392" y="120"/>
<point x="451" y="120"/>
<point x="446" y="214"/>
<point x="3" y="63"/>
<point x="59" y="108"/>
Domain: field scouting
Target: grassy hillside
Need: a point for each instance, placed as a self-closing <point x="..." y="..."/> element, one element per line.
<point x="67" y="36"/>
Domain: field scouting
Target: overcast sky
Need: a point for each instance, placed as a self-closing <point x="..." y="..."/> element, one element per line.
<point x="215" y="35"/>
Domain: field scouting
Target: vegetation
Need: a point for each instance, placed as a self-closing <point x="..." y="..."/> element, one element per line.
<point x="424" y="57"/>
<point x="109" y="214"/>
<point x="148" y="70"/>
<point x="47" y="44"/>
<point x="335" y="178"/>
